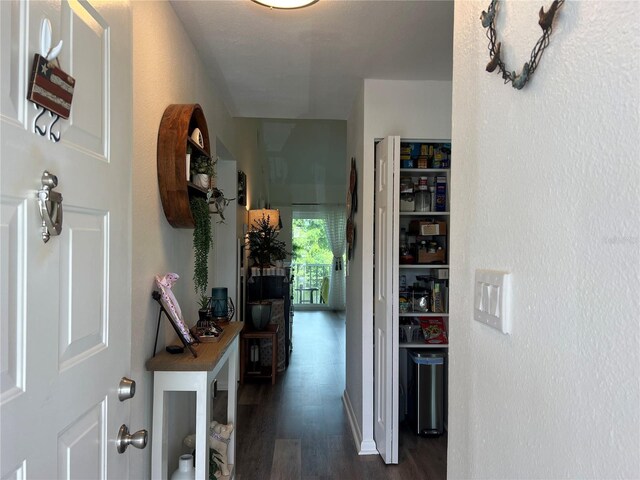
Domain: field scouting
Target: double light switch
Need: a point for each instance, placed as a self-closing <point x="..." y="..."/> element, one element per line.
<point x="492" y="299"/>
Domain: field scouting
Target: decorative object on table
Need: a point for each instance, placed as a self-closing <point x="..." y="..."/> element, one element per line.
<point x="169" y="305"/>
<point x="219" y="436"/>
<point x="202" y="169"/>
<point x="242" y="189"/>
<point x="202" y="243"/>
<point x="219" y="302"/>
<point x="50" y="87"/>
<point x="545" y="20"/>
<point x="352" y="207"/>
<point x="206" y="329"/>
<point x="264" y="247"/>
<point x="204" y="310"/>
<point x="218" y="310"/>
<point x="185" y="470"/>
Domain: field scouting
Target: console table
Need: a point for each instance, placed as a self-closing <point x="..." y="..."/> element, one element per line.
<point x="182" y="373"/>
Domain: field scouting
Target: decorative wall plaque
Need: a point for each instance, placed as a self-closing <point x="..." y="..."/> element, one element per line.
<point x="50" y="87"/>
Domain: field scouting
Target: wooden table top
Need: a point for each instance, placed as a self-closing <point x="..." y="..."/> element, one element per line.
<point x="270" y="330"/>
<point x="209" y="354"/>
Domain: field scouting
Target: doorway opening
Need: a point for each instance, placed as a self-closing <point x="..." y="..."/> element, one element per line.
<point x="312" y="263"/>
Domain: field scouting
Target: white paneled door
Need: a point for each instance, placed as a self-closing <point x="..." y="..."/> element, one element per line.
<point x="65" y="305"/>
<point x="385" y="399"/>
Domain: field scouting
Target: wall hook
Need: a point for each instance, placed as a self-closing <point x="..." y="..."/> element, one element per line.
<point x="50" y="204"/>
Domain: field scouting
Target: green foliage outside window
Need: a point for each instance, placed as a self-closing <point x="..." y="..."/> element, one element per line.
<point x="310" y="244"/>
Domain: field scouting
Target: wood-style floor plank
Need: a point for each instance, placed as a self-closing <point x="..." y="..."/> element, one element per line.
<point x="298" y="429"/>
<point x="286" y="460"/>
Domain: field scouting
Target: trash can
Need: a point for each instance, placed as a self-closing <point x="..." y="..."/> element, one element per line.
<point x="425" y="392"/>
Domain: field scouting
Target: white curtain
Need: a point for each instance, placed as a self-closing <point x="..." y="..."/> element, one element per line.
<point x="335" y="224"/>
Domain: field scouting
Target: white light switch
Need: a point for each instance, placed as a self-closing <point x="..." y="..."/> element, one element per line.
<point x="492" y="299"/>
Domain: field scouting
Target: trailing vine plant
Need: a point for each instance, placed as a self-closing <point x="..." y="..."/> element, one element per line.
<point x="545" y="20"/>
<point x="202" y="242"/>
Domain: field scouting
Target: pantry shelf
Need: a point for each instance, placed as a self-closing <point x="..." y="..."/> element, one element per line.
<point x="424" y="170"/>
<point x="415" y="266"/>
<point x="423" y="345"/>
<point x="422" y="214"/>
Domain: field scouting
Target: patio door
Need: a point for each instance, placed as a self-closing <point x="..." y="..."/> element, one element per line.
<point x="312" y="260"/>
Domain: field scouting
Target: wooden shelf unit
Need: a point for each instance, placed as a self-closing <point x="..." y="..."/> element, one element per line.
<point x="174" y="135"/>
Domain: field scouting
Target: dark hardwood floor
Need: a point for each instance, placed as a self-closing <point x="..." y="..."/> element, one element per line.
<point x="298" y="428"/>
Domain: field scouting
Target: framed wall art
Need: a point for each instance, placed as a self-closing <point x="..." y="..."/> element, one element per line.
<point x="242" y="188"/>
<point x="169" y="304"/>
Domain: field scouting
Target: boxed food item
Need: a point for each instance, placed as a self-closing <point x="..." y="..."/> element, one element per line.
<point x="428" y="227"/>
<point x="434" y="330"/>
<point x="407" y="163"/>
<point x="439" y="256"/>
<point x="442" y="274"/>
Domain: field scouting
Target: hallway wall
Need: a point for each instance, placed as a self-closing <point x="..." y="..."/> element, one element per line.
<point x="166" y="70"/>
<point x="411" y="109"/>
<point x="545" y="185"/>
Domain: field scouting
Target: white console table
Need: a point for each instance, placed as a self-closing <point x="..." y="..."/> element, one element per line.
<point x="185" y="373"/>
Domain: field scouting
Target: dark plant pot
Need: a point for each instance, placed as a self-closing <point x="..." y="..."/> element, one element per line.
<point x="204" y="314"/>
<point x="260" y="315"/>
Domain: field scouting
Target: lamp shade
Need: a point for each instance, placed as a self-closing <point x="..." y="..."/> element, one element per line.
<point x="272" y="214"/>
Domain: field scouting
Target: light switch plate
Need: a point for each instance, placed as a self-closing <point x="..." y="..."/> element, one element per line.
<point x="492" y="299"/>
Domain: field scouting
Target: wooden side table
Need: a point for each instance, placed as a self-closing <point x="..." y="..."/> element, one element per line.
<point x="271" y="332"/>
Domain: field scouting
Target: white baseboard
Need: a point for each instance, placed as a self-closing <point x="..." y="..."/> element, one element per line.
<point x="364" y="447"/>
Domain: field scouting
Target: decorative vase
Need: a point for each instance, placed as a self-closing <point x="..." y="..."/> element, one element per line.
<point x="185" y="469"/>
<point x="201" y="180"/>
<point x="260" y="315"/>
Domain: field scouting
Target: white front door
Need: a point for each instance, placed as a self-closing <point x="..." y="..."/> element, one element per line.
<point x="66" y="305"/>
<point x="385" y="399"/>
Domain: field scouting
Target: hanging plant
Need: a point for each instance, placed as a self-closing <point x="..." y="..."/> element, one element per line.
<point x="202" y="242"/>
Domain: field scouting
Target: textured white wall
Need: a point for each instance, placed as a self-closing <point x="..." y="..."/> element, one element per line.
<point x="166" y="70"/>
<point x="545" y="185"/>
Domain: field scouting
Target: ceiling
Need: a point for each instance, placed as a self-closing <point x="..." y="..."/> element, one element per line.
<point x="309" y="63"/>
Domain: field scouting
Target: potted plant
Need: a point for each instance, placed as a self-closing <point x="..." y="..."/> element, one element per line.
<point x="202" y="169"/>
<point x="202" y="242"/>
<point x="204" y="313"/>
<point x="264" y="248"/>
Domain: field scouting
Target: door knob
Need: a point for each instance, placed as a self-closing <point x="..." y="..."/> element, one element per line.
<point x="124" y="439"/>
<point x="126" y="389"/>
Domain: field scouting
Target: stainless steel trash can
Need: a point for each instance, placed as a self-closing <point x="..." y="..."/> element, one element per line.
<point x="425" y="392"/>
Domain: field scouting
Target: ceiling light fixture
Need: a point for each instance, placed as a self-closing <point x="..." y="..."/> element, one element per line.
<point x="286" y="4"/>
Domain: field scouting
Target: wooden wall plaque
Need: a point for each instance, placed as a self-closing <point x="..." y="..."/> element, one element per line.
<point x="50" y="87"/>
